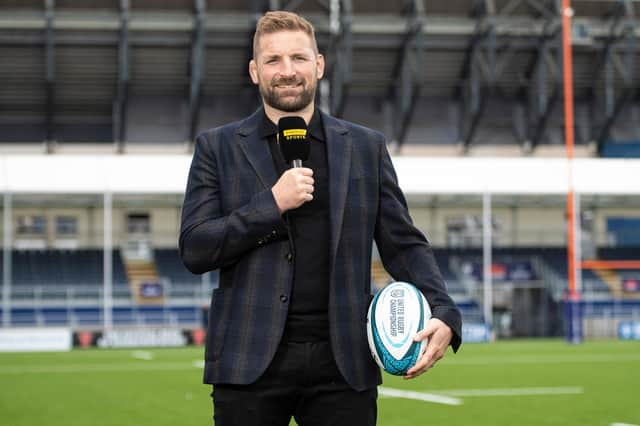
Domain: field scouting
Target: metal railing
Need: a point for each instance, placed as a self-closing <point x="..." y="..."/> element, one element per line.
<point x="73" y="293"/>
<point x="93" y="318"/>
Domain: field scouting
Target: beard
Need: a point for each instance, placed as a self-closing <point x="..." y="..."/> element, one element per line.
<point x="278" y="101"/>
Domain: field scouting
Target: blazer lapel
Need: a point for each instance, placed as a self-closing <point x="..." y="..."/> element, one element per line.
<point x="339" y="159"/>
<point x="256" y="150"/>
<point x="339" y="147"/>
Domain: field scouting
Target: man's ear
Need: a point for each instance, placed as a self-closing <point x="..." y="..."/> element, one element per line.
<point x="320" y="65"/>
<point x="253" y="71"/>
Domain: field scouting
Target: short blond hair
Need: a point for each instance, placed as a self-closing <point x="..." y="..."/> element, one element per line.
<point x="280" y="20"/>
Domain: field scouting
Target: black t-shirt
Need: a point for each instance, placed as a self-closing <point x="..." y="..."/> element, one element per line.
<point x="309" y="232"/>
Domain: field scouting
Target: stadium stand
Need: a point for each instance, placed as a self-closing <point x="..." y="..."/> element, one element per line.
<point x="467" y="264"/>
<point x="436" y="77"/>
<point x="556" y="259"/>
<point x="621" y="266"/>
<point x="170" y="266"/>
<point x="81" y="267"/>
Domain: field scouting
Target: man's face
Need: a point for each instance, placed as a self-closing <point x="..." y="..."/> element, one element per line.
<point x="286" y="68"/>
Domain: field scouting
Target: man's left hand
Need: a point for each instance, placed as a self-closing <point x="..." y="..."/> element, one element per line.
<point x="439" y="335"/>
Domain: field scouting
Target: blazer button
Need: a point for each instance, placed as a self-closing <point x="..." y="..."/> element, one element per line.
<point x="283" y="298"/>
<point x="289" y="257"/>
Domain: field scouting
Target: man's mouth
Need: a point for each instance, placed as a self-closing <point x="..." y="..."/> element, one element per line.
<point x="288" y="86"/>
<point x="287" y="83"/>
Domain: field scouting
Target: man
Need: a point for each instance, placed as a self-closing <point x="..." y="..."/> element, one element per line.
<point x="286" y="334"/>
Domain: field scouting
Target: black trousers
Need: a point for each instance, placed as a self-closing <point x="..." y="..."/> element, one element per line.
<point x="303" y="382"/>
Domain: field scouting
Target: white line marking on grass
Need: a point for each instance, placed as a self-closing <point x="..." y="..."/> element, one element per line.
<point x="623" y="424"/>
<point x="420" y="396"/>
<point x="566" y="390"/>
<point x="198" y="363"/>
<point x="95" y="368"/>
<point x="145" y="355"/>
<point x="543" y="359"/>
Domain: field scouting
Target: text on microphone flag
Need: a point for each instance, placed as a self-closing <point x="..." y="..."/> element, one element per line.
<point x="295" y="133"/>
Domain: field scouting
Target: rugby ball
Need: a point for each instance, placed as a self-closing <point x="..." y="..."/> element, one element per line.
<point x="396" y="313"/>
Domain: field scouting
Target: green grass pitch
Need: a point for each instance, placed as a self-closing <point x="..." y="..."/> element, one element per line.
<point x="506" y="383"/>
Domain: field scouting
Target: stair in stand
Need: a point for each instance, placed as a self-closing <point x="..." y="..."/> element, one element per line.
<point x="139" y="273"/>
<point x="379" y="275"/>
<point x="611" y="279"/>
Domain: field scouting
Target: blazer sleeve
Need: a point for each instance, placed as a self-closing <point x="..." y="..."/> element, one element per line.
<point x="210" y="239"/>
<point x="406" y="253"/>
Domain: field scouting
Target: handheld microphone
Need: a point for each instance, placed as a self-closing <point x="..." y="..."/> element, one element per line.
<point x="293" y="140"/>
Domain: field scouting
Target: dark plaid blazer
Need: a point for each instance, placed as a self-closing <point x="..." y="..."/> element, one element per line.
<point x="230" y="222"/>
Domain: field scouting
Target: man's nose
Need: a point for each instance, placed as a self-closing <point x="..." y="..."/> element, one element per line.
<point x="287" y="69"/>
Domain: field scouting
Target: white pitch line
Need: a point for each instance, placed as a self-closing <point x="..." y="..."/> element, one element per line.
<point x="94" y="368"/>
<point x="623" y="424"/>
<point x="542" y="359"/>
<point x="563" y="390"/>
<point x="419" y="396"/>
<point x="144" y="355"/>
<point x="198" y="363"/>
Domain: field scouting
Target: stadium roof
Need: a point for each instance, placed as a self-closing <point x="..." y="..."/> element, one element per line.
<point x="476" y="72"/>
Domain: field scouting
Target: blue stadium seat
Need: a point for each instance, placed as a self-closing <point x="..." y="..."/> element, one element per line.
<point x="170" y="266"/>
<point x="65" y="267"/>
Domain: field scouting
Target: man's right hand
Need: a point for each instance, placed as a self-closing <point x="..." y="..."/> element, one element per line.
<point x="294" y="188"/>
